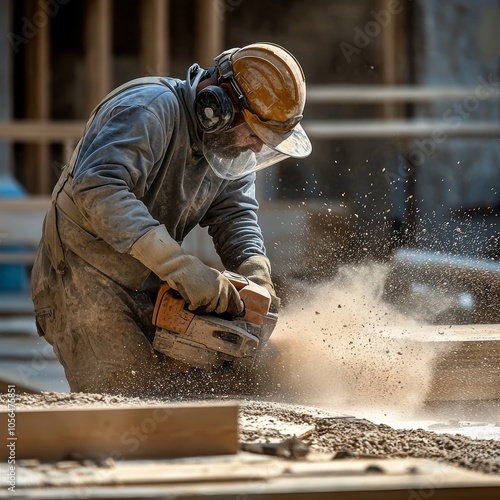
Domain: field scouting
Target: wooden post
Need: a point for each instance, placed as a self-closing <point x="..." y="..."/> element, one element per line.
<point x="209" y="33"/>
<point x="98" y="50"/>
<point x="154" y="37"/>
<point x="393" y="57"/>
<point x="5" y="86"/>
<point x="391" y="54"/>
<point x="39" y="179"/>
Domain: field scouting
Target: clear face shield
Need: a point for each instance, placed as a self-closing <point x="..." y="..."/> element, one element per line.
<point x="237" y="151"/>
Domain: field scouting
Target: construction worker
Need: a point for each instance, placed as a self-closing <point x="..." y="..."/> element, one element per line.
<point x="158" y="157"/>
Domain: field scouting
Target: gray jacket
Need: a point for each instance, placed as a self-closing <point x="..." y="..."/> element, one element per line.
<point x="141" y="165"/>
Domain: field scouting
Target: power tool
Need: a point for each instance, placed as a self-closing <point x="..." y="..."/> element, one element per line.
<point x="210" y="340"/>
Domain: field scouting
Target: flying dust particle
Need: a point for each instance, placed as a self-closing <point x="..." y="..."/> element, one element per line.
<point x="370" y="361"/>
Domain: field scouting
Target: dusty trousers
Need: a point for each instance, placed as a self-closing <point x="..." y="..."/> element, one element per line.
<point x="100" y="330"/>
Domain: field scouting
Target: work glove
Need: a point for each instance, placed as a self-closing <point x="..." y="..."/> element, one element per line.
<point x="258" y="269"/>
<point x="200" y="285"/>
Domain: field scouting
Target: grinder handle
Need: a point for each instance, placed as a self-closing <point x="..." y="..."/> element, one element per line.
<point x="170" y="304"/>
<point x="237" y="280"/>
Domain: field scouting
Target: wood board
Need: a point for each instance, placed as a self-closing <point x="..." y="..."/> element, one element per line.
<point x="181" y="430"/>
<point x="252" y="476"/>
<point x="467" y="359"/>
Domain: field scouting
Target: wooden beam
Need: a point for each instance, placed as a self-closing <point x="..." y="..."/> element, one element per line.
<point x="376" y="94"/>
<point x="376" y="129"/>
<point x="17" y="257"/>
<point x="6" y="84"/>
<point x="209" y="31"/>
<point x="15" y="303"/>
<point x="251" y="476"/>
<point x="21" y="224"/>
<point x="465" y="366"/>
<point x="61" y="131"/>
<point x="182" y="430"/>
<point x="98" y="50"/>
<point x="39" y="179"/>
<point x="25" y="205"/>
<point x="154" y="37"/>
<point x="43" y="130"/>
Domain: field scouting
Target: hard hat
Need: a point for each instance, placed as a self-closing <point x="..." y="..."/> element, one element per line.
<point x="267" y="85"/>
<point x="274" y="86"/>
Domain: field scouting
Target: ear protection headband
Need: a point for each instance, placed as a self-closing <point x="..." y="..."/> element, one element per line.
<point x="213" y="106"/>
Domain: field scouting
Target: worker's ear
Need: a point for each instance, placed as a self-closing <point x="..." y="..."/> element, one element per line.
<point x="214" y="109"/>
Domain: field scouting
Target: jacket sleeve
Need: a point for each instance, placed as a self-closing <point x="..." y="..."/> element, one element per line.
<point x="233" y="223"/>
<point x="116" y="166"/>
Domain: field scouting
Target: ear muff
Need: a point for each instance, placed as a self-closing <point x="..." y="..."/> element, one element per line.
<point x="214" y="109"/>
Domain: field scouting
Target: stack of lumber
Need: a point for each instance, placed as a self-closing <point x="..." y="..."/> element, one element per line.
<point x="467" y="360"/>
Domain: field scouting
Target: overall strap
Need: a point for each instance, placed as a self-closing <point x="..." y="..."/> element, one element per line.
<point x="132" y="83"/>
<point x="62" y="200"/>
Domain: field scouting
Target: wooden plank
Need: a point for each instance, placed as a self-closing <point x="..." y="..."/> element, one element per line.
<point x="249" y="476"/>
<point x="21" y="221"/>
<point x="15" y="303"/>
<point x="5" y="383"/>
<point x="34" y="376"/>
<point x="17" y="257"/>
<point x="26" y="360"/>
<point x="471" y="383"/>
<point x="154" y="37"/>
<point x="362" y="94"/>
<point x="23" y="348"/>
<point x="146" y="432"/>
<point x="42" y="130"/>
<point x="457" y="343"/>
<point x="19" y="327"/>
<point x="28" y="204"/>
<point x="466" y="365"/>
<point x="60" y="130"/>
<point x="376" y="129"/>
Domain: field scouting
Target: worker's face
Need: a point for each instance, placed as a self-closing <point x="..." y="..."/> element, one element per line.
<point x="235" y="140"/>
<point x="237" y="151"/>
<point x="244" y="139"/>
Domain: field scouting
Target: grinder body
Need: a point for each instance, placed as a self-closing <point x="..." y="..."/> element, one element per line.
<point x="210" y="340"/>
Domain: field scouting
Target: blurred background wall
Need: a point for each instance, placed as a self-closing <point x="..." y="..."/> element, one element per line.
<point x="419" y="171"/>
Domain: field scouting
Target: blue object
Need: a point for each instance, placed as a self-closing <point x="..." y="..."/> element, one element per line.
<point x="13" y="277"/>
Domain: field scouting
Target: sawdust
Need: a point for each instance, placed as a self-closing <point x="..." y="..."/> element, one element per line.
<point x="329" y="432"/>
<point x="329" y="359"/>
<point x="330" y="349"/>
<point x="353" y="437"/>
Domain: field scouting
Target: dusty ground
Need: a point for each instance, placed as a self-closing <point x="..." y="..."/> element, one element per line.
<point x="328" y="361"/>
<point x="323" y="430"/>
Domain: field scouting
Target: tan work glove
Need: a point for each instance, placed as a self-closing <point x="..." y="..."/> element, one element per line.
<point x="199" y="285"/>
<point x="258" y="269"/>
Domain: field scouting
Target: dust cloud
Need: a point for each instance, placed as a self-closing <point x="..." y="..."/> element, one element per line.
<point x="339" y="345"/>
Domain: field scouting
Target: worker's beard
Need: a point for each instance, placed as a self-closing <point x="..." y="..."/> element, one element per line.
<point x="230" y="156"/>
<point x="224" y="144"/>
<point x="227" y="159"/>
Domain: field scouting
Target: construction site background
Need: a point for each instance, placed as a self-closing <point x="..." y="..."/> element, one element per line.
<point x="384" y="244"/>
